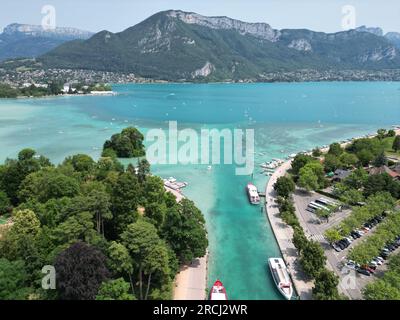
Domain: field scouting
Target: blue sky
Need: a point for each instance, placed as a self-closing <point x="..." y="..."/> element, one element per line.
<point x="117" y="15"/>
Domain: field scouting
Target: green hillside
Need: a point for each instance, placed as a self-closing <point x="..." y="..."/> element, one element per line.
<point x="168" y="47"/>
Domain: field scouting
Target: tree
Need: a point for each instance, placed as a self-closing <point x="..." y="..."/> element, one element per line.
<point x="115" y="290"/>
<point x="81" y="162"/>
<point x="335" y="149"/>
<point x="149" y="254"/>
<point x="381" y="182"/>
<point x="332" y="235"/>
<point x="120" y="262"/>
<point x="143" y="170"/>
<point x="99" y="202"/>
<point x="15" y="171"/>
<point x="55" y="88"/>
<point x="299" y="162"/>
<point x="391" y="133"/>
<point x="325" y="286"/>
<point x="380" y="160"/>
<point x="381" y="134"/>
<point x="316" y="152"/>
<point x="184" y="230"/>
<point x="312" y="259"/>
<point x="365" y="157"/>
<point x="356" y="179"/>
<point x="284" y="186"/>
<point x="332" y="162"/>
<point x="76" y="227"/>
<point x="352" y="197"/>
<point x="381" y="290"/>
<point x="124" y="201"/>
<point x="308" y="180"/>
<point x="81" y="269"/>
<point x="156" y="261"/>
<point x="47" y="184"/>
<point x="127" y="144"/>
<point x="323" y="214"/>
<point x="13" y="280"/>
<point x="19" y="240"/>
<point x="396" y="144"/>
<point x="311" y="176"/>
<point x="348" y="160"/>
<point x="300" y="240"/>
<point x="5" y="203"/>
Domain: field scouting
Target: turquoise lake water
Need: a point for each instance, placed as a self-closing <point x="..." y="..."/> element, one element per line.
<point x="287" y="118"/>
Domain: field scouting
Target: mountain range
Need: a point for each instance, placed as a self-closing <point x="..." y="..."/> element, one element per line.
<point x="175" y="45"/>
<point x="29" y="41"/>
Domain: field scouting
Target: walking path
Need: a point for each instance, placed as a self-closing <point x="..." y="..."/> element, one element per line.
<point x="191" y="281"/>
<point x="284" y="234"/>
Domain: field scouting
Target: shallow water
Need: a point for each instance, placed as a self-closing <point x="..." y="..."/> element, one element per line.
<point x="287" y="118"/>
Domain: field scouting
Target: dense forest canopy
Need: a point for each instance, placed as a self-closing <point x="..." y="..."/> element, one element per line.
<point x="82" y="217"/>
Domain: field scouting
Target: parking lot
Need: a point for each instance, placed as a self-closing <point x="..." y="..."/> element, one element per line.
<point x="351" y="282"/>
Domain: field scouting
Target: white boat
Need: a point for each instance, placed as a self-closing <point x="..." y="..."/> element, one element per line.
<point x="252" y="193"/>
<point x="281" y="277"/>
<point x="218" y="291"/>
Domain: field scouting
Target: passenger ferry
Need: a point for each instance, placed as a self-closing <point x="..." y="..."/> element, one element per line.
<point x="218" y="291"/>
<point x="281" y="277"/>
<point x="252" y="192"/>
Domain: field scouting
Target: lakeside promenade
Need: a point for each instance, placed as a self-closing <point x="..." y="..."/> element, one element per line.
<point x="191" y="281"/>
<point x="284" y="234"/>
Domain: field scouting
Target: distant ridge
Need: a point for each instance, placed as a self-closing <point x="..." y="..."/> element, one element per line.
<point x="176" y="45"/>
<point x="29" y="41"/>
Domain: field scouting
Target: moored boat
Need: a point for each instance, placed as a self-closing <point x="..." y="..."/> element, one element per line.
<point x="252" y="193"/>
<point x="218" y="291"/>
<point x="281" y="277"/>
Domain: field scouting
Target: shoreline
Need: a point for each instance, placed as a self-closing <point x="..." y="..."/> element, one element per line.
<point x="191" y="281"/>
<point x="92" y="94"/>
<point x="283" y="233"/>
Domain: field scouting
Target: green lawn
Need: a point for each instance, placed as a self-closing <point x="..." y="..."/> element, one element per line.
<point x="388" y="143"/>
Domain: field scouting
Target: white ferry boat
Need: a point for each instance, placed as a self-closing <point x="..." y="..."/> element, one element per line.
<point x="252" y="192"/>
<point x="281" y="277"/>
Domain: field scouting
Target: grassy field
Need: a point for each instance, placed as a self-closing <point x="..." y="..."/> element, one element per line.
<point x="388" y="142"/>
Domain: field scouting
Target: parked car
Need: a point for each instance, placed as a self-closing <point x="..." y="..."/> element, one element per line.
<point x="351" y="265"/>
<point x="368" y="268"/>
<point x="377" y="261"/>
<point x="336" y="247"/>
<point x="355" y="235"/>
<point x="373" y="263"/>
<point x="363" y="271"/>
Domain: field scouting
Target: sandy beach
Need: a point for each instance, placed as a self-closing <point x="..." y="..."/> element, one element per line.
<point x="191" y="281"/>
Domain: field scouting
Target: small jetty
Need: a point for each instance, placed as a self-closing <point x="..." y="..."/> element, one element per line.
<point x="268" y="168"/>
<point x="173" y="184"/>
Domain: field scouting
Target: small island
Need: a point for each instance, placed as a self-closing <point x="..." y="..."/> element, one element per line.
<point x="127" y="144"/>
